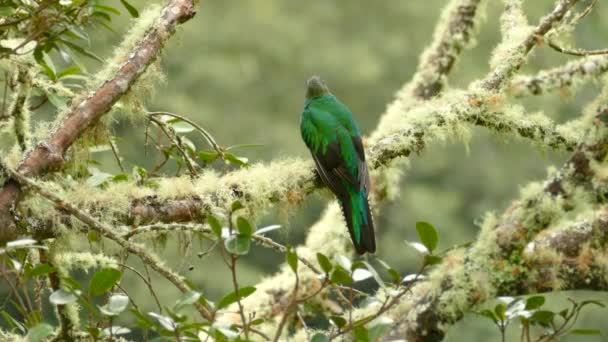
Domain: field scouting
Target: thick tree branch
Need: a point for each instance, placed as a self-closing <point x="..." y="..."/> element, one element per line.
<point x="84" y="112"/>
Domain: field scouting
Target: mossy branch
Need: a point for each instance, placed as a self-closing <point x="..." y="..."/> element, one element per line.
<point x="85" y="111"/>
<point x="568" y="76"/>
<point x="539" y="244"/>
<point x="453" y="34"/>
<point x="105" y="230"/>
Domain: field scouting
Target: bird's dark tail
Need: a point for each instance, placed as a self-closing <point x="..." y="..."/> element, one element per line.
<point x="358" y="217"/>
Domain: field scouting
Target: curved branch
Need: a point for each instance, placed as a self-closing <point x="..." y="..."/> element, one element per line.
<point x="84" y="112"/>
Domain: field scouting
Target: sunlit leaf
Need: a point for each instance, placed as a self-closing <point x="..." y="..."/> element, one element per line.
<point x="418" y="247"/>
<point x="116" y="330"/>
<point x="361" y="274"/>
<point x="187" y="298"/>
<point x="238" y="244"/>
<point x="165" y="321"/>
<point x="267" y="229"/>
<point x="62" y="297"/>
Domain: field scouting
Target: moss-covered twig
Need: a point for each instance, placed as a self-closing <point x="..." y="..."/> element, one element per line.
<point x="517" y="56"/>
<point x="85" y="111"/>
<point x="453" y="34"/>
<point x="568" y="76"/>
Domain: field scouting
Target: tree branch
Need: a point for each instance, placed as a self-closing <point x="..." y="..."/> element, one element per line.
<point x="568" y="76"/>
<point x="452" y="34"/>
<point x="84" y="112"/>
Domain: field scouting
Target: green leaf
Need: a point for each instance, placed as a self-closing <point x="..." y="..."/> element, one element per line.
<point x="427" y="235"/>
<point x="116" y="304"/>
<point x="360" y="334"/>
<point x="243" y="146"/>
<point x="45" y="62"/>
<point x="62" y="297"/>
<point x="319" y="337"/>
<point x="292" y="259"/>
<point x="244" y="226"/>
<point x="324" y="262"/>
<point x="215" y="225"/>
<point x="132" y="10"/>
<point x="180" y="126"/>
<point x="238" y="244"/>
<point x="230" y="298"/>
<point x="338" y="321"/>
<point x="585" y="332"/>
<point x="5" y="11"/>
<point x="60" y="102"/>
<point x="430" y="259"/>
<point x="267" y="229"/>
<point x="341" y="276"/>
<point x="40" y="332"/>
<point x="235" y="160"/>
<point x="543" y="317"/>
<point x="39" y="270"/>
<point x="489" y="314"/>
<point x="535" y="302"/>
<point x="121" y="177"/>
<point x="499" y="310"/>
<point x="103" y="280"/>
<point x="257" y="321"/>
<point x="103" y="15"/>
<point x="13" y="323"/>
<point x="236" y="205"/>
<point x="81" y="50"/>
<point x="108" y="9"/>
<point x="207" y="156"/>
<point x="68" y="71"/>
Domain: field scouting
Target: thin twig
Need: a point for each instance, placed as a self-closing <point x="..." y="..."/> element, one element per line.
<point x="148" y="284"/>
<point x="576" y="52"/>
<point x="208" y="137"/>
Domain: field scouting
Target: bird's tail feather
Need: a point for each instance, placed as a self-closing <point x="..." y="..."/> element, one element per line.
<point x="358" y="217"/>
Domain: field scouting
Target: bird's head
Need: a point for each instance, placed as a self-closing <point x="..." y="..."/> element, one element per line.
<point x="315" y="87"/>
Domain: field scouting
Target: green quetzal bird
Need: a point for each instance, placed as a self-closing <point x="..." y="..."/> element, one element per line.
<point x="334" y="140"/>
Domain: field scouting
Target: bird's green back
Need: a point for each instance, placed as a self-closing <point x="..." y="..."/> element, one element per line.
<point x="324" y="120"/>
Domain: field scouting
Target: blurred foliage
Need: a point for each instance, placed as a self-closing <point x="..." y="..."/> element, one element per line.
<point x="238" y="70"/>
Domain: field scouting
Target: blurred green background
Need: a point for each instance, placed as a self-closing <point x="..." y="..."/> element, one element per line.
<point x="238" y="69"/>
